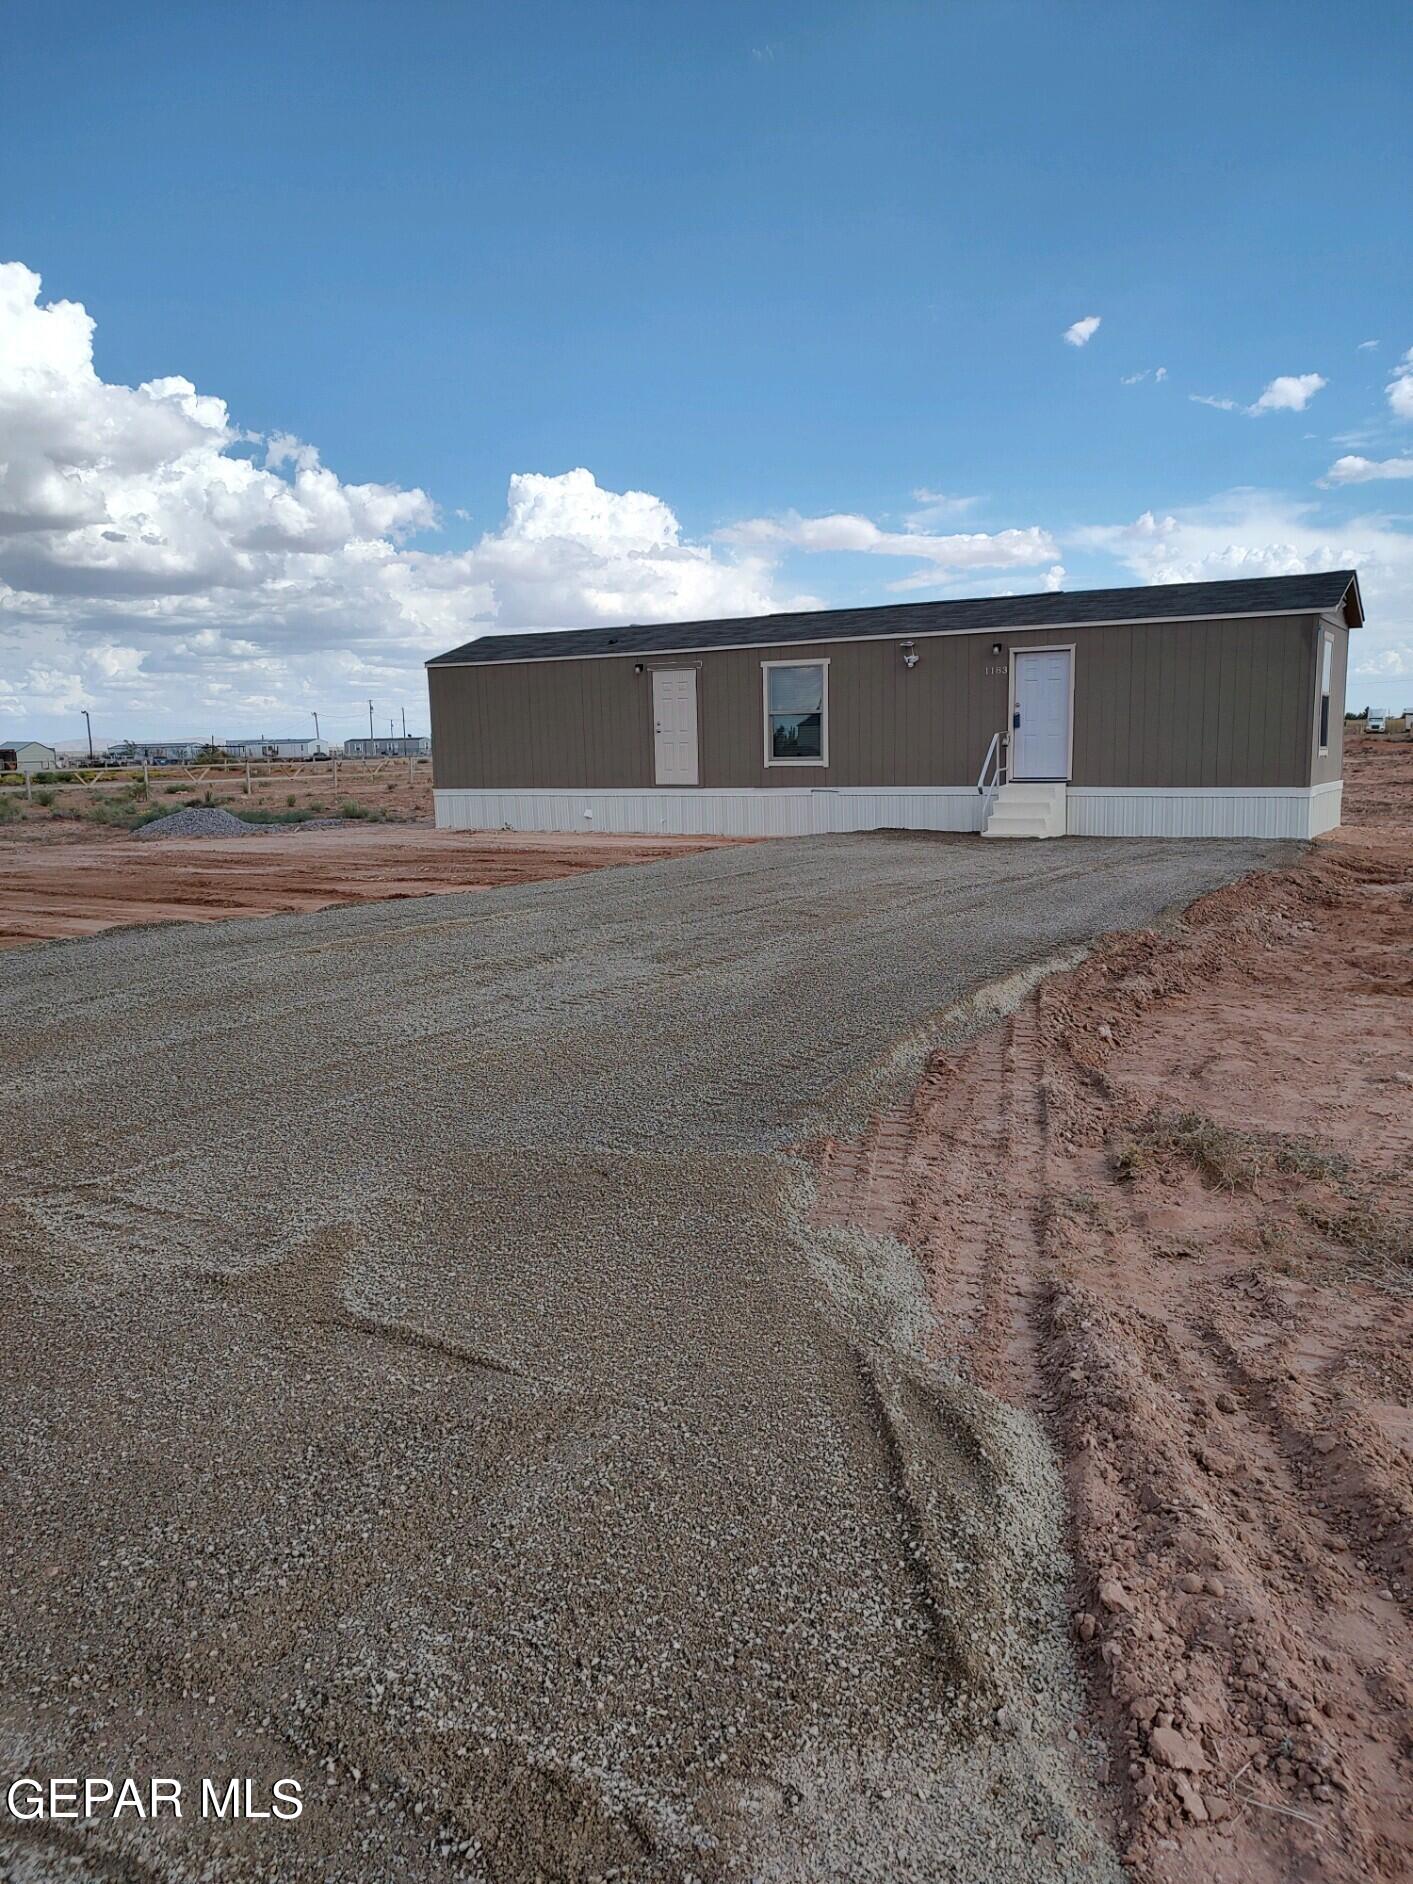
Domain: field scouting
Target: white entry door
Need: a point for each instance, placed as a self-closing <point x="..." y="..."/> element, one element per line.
<point x="1040" y="718"/>
<point x="675" y="725"/>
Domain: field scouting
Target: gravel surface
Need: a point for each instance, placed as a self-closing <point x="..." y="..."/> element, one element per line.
<point x="418" y="1379"/>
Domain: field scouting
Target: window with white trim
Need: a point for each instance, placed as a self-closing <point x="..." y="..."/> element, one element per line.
<point x="796" y="712"/>
<point x="1326" y="668"/>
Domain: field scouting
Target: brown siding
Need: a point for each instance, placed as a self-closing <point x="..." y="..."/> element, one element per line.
<point x="1175" y="703"/>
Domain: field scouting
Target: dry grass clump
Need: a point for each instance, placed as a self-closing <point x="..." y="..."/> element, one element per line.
<point x="1379" y="1242"/>
<point x="1228" y="1158"/>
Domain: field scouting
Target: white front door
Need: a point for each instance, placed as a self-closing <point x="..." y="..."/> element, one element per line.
<point x="675" y="725"/>
<point x="1040" y="717"/>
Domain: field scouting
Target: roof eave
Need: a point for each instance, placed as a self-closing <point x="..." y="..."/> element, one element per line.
<point x="1351" y="594"/>
<point x="453" y="659"/>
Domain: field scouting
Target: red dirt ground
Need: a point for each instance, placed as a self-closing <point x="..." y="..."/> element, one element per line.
<point x="1168" y="1207"/>
<point x="75" y="888"/>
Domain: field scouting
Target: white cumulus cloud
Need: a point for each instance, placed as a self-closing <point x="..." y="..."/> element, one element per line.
<point x="1080" y="333"/>
<point x="1355" y="470"/>
<point x="941" y="556"/>
<point x="1400" y="388"/>
<point x="1288" y="392"/>
<point x="162" y="566"/>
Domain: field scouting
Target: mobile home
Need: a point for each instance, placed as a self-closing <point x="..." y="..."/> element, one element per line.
<point x="1212" y="709"/>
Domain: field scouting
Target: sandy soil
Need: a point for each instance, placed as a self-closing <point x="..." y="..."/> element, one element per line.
<point x="1168" y="1207"/>
<point x="75" y="888"/>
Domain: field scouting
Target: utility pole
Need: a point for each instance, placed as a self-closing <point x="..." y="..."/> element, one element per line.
<point x="371" y="734"/>
<point x="316" y="732"/>
<point x="89" y="723"/>
<point x="404" y="725"/>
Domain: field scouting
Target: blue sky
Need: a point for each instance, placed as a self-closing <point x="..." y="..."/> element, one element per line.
<point x="798" y="277"/>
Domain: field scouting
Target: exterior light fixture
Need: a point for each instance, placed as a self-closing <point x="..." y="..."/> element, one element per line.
<point x="995" y="647"/>
<point x="909" y="654"/>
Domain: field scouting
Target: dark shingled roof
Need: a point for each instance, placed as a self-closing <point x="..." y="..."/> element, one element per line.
<point x="1262" y="595"/>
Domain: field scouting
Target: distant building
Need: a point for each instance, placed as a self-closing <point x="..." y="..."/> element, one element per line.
<point x="264" y="748"/>
<point x="411" y="747"/>
<point x="27" y="755"/>
<point x="155" y="751"/>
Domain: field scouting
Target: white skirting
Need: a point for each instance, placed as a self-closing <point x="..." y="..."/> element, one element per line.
<point x="1229" y="811"/>
<point x="788" y="811"/>
<point x="694" y="811"/>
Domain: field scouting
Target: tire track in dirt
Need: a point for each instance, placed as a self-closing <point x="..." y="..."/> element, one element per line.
<point x="1239" y="1520"/>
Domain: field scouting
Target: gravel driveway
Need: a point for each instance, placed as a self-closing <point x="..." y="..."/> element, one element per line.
<point x="418" y="1381"/>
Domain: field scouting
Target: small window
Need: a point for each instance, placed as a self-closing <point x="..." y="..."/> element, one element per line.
<point x="1326" y="665"/>
<point x="796" y="712"/>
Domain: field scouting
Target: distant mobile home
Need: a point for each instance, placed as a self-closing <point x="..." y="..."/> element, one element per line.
<point x="401" y="746"/>
<point x="264" y="748"/>
<point x="27" y="755"/>
<point x="1212" y="709"/>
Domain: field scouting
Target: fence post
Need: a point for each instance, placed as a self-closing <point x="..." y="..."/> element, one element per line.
<point x="247" y="775"/>
<point x="146" y="790"/>
<point x="29" y="784"/>
<point x="336" y="775"/>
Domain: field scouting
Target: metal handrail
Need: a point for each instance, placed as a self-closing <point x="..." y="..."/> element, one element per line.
<point x="997" y="750"/>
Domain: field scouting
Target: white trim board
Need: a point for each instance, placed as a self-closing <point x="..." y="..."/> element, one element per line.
<point x="788" y="811"/>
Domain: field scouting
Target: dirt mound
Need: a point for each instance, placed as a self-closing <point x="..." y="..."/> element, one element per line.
<point x="198" y="821"/>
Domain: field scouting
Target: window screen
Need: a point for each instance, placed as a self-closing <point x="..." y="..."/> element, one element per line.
<point x="795" y="711"/>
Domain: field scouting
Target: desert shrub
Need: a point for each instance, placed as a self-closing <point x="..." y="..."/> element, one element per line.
<point x="1374" y="1238"/>
<point x="9" y="808"/>
<point x="351" y="810"/>
<point x="124" y="814"/>
<point x="1228" y="1158"/>
<point x="45" y="798"/>
<point x="257" y="814"/>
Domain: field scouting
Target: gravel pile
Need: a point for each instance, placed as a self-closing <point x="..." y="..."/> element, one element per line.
<point x="199" y="821"/>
